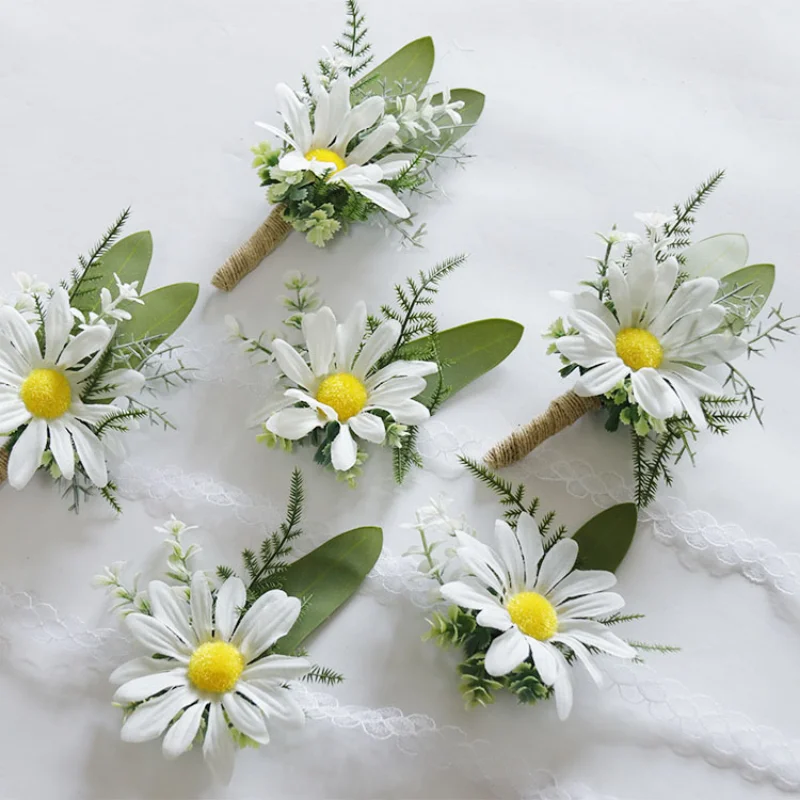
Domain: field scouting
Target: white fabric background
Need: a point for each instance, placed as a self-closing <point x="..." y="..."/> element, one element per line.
<point x="595" y="110"/>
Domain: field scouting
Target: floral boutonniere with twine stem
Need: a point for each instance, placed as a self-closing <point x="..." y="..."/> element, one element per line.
<point x="221" y="656"/>
<point x="529" y="605"/>
<point x="352" y="143"/>
<point x="77" y="361"/>
<point x="371" y="379"/>
<point x="654" y="339"/>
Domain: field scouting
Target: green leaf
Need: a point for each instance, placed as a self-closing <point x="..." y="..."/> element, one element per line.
<point x="755" y="284"/>
<point x="468" y="351"/>
<point x="327" y="577"/>
<point x="470" y="114"/>
<point x="716" y="256"/>
<point x="410" y="67"/>
<point x="129" y="258"/>
<point x="604" y="540"/>
<point x="161" y="315"/>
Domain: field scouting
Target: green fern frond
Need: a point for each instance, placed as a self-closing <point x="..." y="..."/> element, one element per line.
<point x="84" y="275"/>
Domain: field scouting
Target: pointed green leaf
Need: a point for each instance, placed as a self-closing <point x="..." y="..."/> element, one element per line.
<point x="470" y="114"/>
<point x="129" y="258"/>
<point x="752" y="286"/>
<point x="163" y="312"/>
<point x="604" y="540"/>
<point x="327" y="577"/>
<point x="410" y="68"/>
<point x="468" y="351"/>
<point x="716" y="256"/>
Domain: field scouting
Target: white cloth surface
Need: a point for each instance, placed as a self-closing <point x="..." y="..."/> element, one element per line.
<point x="594" y="110"/>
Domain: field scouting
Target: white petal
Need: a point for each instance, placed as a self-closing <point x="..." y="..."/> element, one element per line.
<point x="179" y="738"/>
<point x="494" y="617"/>
<point x="201" y="606"/>
<point x="557" y="563"/>
<point x="396" y="390"/>
<point x="641" y="276"/>
<point x="690" y="385"/>
<point x="665" y="283"/>
<point x="296" y="162"/>
<point x="507" y="651"/>
<point x="580" y="582"/>
<point x="150" y="719"/>
<point x="231" y="598"/>
<point x="482" y="561"/>
<point x="329" y="111"/>
<point x="277" y="668"/>
<point x="592" y="327"/>
<point x="585" y="351"/>
<point x="468" y="597"/>
<point x="19" y="333"/>
<point x="601" y="379"/>
<point x="544" y="660"/>
<point x="26" y="454"/>
<point x="393" y="165"/>
<point x="372" y="144"/>
<point x="269" y="618"/>
<point x="594" y="634"/>
<point x="369" y="427"/>
<point x="587" y="301"/>
<point x="294" y="423"/>
<point x="280" y="134"/>
<point x="358" y="119"/>
<point x="85" y="344"/>
<point x="137" y="668"/>
<point x="343" y="450"/>
<point x="382" y="196"/>
<point x="13" y="413"/>
<point x="122" y="383"/>
<point x="218" y="750"/>
<point x="620" y="295"/>
<point x="90" y="451"/>
<point x="583" y="656"/>
<point x="408" y="412"/>
<point x="653" y="393"/>
<point x="149" y="685"/>
<point x="690" y="296"/>
<point x="530" y="541"/>
<point x="91" y="413"/>
<point x="562" y="687"/>
<point x="303" y="397"/>
<point x="156" y="637"/>
<point x="384" y="338"/>
<point x="692" y="326"/>
<point x="292" y="364"/>
<point x="295" y="115"/>
<point x="715" y="349"/>
<point x="173" y="611"/>
<point x="399" y="369"/>
<point x="319" y="330"/>
<point x="349" y="336"/>
<point x="274" y="702"/>
<point x="246" y="717"/>
<point x="58" y="322"/>
<point x="276" y="402"/>
<point x="508" y="549"/>
<point x="599" y="604"/>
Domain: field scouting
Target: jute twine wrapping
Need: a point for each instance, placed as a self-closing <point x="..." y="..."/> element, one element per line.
<point x="3" y="464"/>
<point x="561" y="413"/>
<point x="247" y="257"/>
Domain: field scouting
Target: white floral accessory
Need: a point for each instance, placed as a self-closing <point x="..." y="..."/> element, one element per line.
<point x="73" y="364"/>
<point x="204" y="673"/>
<point x="655" y="339"/>
<point x="533" y="603"/>
<point x="353" y="144"/>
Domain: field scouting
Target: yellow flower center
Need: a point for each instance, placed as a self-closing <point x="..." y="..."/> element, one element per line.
<point x="215" y="667"/>
<point x="533" y="614"/>
<point x="638" y="348"/>
<point x="328" y="156"/>
<point x="46" y="393"/>
<point x="344" y="393"/>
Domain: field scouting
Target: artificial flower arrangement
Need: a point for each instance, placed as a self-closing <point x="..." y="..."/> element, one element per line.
<point x="75" y="360"/>
<point x="352" y="143"/>
<point x="534" y="603"/>
<point x="220" y="656"/>
<point x="369" y="378"/>
<point x="654" y="338"/>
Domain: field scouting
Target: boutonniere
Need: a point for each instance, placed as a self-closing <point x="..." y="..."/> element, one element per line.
<point x="75" y="361"/>
<point x="220" y="655"/>
<point x="341" y="384"/>
<point x="351" y="144"/>
<point x="531" y="603"/>
<point x="656" y="340"/>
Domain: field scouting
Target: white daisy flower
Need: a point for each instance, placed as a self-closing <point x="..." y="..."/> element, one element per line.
<point x="43" y="392"/>
<point x="337" y="383"/>
<point x="203" y="672"/>
<point x="323" y="150"/>
<point x="545" y="609"/>
<point x="659" y="336"/>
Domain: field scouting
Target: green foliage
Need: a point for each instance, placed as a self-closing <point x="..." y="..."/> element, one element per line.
<point x="324" y="675"/>
<point x="405" y="72"/>
<point x="353" y="44"/>
<point x="716" y="256"/>
<point x="744" y="293"/>
<point x="319" y="226"/>
<point x="681" y="228"/>
<point x="87" y="265"/>
<point x="606" y="538"/>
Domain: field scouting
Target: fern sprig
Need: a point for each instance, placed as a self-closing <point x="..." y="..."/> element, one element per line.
<point x="85" y="274"/>
<point x="353" y="44"/>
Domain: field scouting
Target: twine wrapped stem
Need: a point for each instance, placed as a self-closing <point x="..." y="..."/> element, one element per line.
<point x="246" y="258"/>
<point x="561" y="413"/>
<point x="3" y="465"/>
